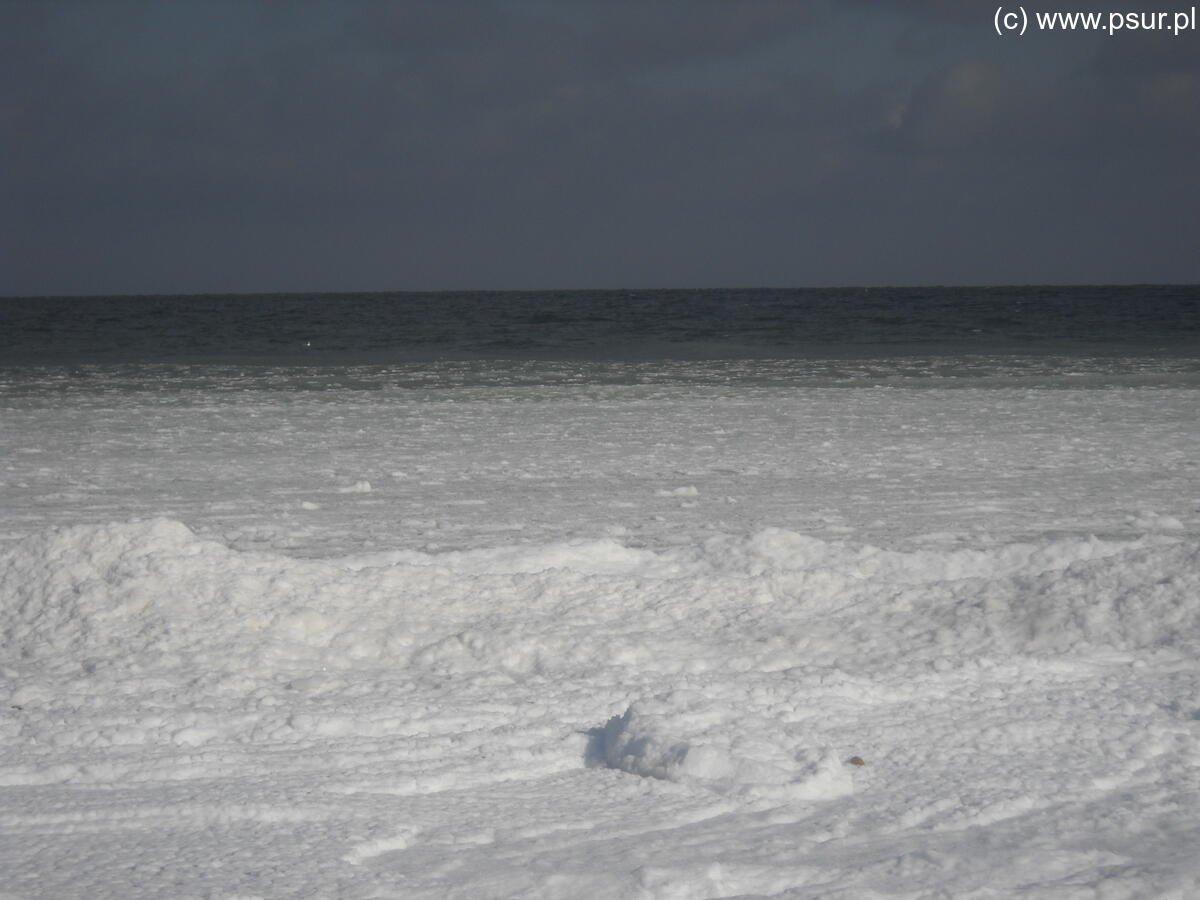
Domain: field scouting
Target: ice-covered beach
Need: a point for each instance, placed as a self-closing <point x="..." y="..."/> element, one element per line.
<point x="620" y="638"/>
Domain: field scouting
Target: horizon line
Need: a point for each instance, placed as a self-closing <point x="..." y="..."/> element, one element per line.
<point x="596" y="290"/>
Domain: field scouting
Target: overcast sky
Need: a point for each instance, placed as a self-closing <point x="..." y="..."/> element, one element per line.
<point x="250" y="145"/>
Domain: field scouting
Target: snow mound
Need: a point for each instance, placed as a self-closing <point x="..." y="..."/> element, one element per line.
<point x="686" y="738"/>
<point x="151" y="595"/>
<point x="1148" y="597"/>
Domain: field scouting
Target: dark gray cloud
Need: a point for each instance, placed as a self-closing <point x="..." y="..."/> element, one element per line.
<point x="966" y="12"/>
<point x="257" y="145"/>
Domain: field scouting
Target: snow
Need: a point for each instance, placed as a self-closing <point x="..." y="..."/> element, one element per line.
<point x="611" y="641"/>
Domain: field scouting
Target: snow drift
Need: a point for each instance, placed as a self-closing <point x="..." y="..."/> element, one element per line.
<point x="152" y="595"/>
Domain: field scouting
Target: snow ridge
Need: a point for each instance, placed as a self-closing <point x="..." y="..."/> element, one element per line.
<point x="151" y="594"/>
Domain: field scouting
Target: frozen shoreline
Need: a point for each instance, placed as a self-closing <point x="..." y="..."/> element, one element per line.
<point x="605" y="641"/>
<point x="335" y="472"/>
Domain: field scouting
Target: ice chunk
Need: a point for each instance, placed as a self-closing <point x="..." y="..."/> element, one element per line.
<point x="685" y="738"/>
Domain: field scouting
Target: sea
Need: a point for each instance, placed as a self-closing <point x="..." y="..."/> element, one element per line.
<point x="940" y="337"/>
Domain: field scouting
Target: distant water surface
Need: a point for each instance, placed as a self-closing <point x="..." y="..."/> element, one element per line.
<point x="1104" y="335"/>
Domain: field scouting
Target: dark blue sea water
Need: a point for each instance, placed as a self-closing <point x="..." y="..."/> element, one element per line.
<point x="843" y="336"/>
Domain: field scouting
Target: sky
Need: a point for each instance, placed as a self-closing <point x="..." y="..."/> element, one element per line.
<point x="190" y="146"/>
